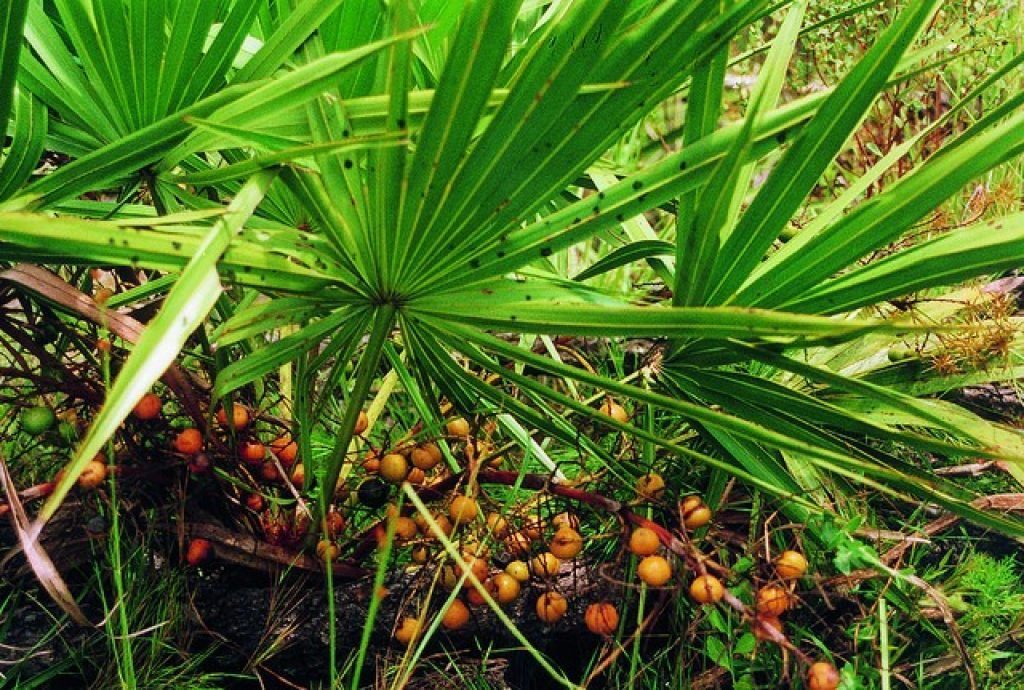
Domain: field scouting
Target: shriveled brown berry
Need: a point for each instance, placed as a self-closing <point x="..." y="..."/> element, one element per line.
<point x="601" y="618"/>
<point x="551" y="606"/>
<point x="448" y="577"/>
<point x="706" y="589"/>
<point x="416" y="476"/>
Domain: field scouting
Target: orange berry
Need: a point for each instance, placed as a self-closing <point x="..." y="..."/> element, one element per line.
<point x="252" y="452"/>
<point x="426" y="456"/>
<point x="791" y="565"/>
<point x="463" y="509"/>
<point x="93" y="475"/>
<point x="103" y="345"/>
<point x="327" y="550"/>
<point x="566" y="543"/>
<point x="765" y="625"/>
<point x="474" y="597"/>
<point x="533" y="528"/>
<point x="601" y="618"/>
<point x="457" y="427"/>
<point x="654" y="570"/>
<point x="822" y="676"/>
<point x="551" y="606"/>
<point x="239" y="417"/>
<point x="610" y="408"/>
<point x="298" y="475"/>
<point x="372" y="462"/>
<point x="448" y="577"/>
<point x="254" y="502"/>
<point x="335" y="523"/>
<point x="478" y="566"/>
<point x="405" y="528"/>
<point x="497" y="524"/>
<point x="408" y="630"/>
<point x="285" y="449"/>
<point x="518" y="544"/>
<point x="198" y="551"/>
<point x="772" y="600"/>
<point x="506" y="588"/>
<point x="565" y="520"/>
<point x="456" y="616"/>
<point x="706" y="589"/>
<point x="362" y="422"/>
<point x="199" y="463"/>
<point x="644" y="541"/>
<point x="148" y="407"/>
<point x="695" y="513"/>
<point x="519" y="570"/>
<point x="394" y="468"/>
<point x="651" y="486"/>
<point x="545" y="565"/>
<point x="268" y="471"/>
<point x="469" y="546"/>
<point x="188" y="441"/>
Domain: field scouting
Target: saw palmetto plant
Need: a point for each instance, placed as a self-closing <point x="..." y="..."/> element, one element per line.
<point x="408" y="182"/>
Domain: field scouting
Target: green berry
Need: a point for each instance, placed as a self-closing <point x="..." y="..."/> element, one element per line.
<point x="36" y="420"/>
